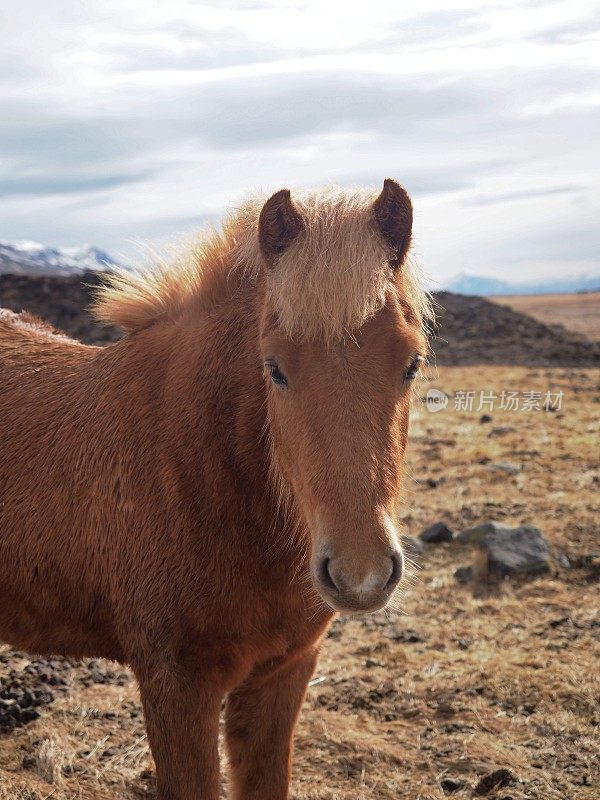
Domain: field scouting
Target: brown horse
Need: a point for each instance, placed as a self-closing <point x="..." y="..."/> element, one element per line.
<point x="199" y="498"/>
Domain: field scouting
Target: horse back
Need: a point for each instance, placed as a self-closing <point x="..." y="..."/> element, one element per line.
<point x="40" y="403"/>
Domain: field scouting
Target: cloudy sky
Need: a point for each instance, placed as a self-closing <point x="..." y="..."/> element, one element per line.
<point x="126" y="121"/>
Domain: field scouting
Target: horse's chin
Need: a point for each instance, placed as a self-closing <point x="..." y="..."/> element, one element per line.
<point x="348" y="606"/>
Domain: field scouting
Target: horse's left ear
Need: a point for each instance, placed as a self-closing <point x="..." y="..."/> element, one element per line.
<point x="394" y="215"/>
<point x="278" y="225"/>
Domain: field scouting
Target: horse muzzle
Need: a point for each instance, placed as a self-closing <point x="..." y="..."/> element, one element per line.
<point x="350" y="587"/>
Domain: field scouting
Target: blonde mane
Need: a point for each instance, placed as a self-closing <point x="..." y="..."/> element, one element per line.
<point x="329" y="281"/>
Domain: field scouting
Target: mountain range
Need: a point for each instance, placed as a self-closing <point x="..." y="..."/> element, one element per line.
<point x="31" y="258"/>
<point x="484" y="286"/>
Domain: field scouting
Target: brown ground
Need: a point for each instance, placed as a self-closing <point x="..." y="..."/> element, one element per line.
<point x="576" y="312"/>
<point x="420" y="705"/>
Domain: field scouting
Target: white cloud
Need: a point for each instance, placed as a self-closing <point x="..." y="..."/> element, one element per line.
<point x="131" y="119"/>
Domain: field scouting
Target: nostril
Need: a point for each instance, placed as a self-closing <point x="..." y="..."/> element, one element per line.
<point x="396" y="574"/>
<point x="325" y="576"/>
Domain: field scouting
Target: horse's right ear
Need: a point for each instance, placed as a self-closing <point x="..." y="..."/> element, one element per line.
<point x="278" y="225"/>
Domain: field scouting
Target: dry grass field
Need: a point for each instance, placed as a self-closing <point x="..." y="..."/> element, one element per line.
<point x="423" y="704"/>
<point x="576" y="312"/>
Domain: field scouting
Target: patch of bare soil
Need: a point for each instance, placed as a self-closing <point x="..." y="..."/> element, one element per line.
<point x="470" y="690"/>
<point x="577" y="312"/>
<point x="473" y="330"/>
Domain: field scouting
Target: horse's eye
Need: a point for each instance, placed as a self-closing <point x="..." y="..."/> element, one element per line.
<point x="276" y="374"/>
<point x="413" y="368"/>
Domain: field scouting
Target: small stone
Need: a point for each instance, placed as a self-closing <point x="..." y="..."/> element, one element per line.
<point x="437" y="533"/>
<point x="29" y="715"/>
<point x="501" y="430"/>
<point x="494" y="780"/>
<point x="505" y="466"/>
<point x="485" y="418"/>
<point x="408" y="636"/>
<point x="560" y="621"/>
<point x="450" y="785"/>
<point x="563" y="561"/>
<point x="464" y="574"/>
<point x="27" y="700"/>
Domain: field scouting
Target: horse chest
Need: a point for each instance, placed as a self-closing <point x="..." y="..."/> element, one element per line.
<point x="289" y="630"/>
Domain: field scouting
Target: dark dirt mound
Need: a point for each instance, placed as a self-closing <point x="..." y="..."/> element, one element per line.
<point x="62" y="301"/>
<point x="470" y="330"/>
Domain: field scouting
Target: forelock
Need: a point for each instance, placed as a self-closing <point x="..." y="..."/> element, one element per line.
<point x="335" y="274"/>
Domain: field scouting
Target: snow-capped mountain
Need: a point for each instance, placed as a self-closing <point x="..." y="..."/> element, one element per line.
<point x="31" y="258"/>
<point x="466" y="283"/>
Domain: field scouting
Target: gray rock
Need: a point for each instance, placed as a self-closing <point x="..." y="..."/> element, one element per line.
<point x="505" y="466"/>
<point x="495" y="780"/>
<point x="436" y="533"/>
<point x="501" y="430"/>
<point x="411" y="546"/>
<point x="520" y="551"/>
<point x="508" y="551"/>
<point x="477" y="533"/>
<point x="451" y="785"/>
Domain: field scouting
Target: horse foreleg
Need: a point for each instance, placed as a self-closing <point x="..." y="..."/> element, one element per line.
<point x="182" y="720"/>
<point x="259" y="725"/>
